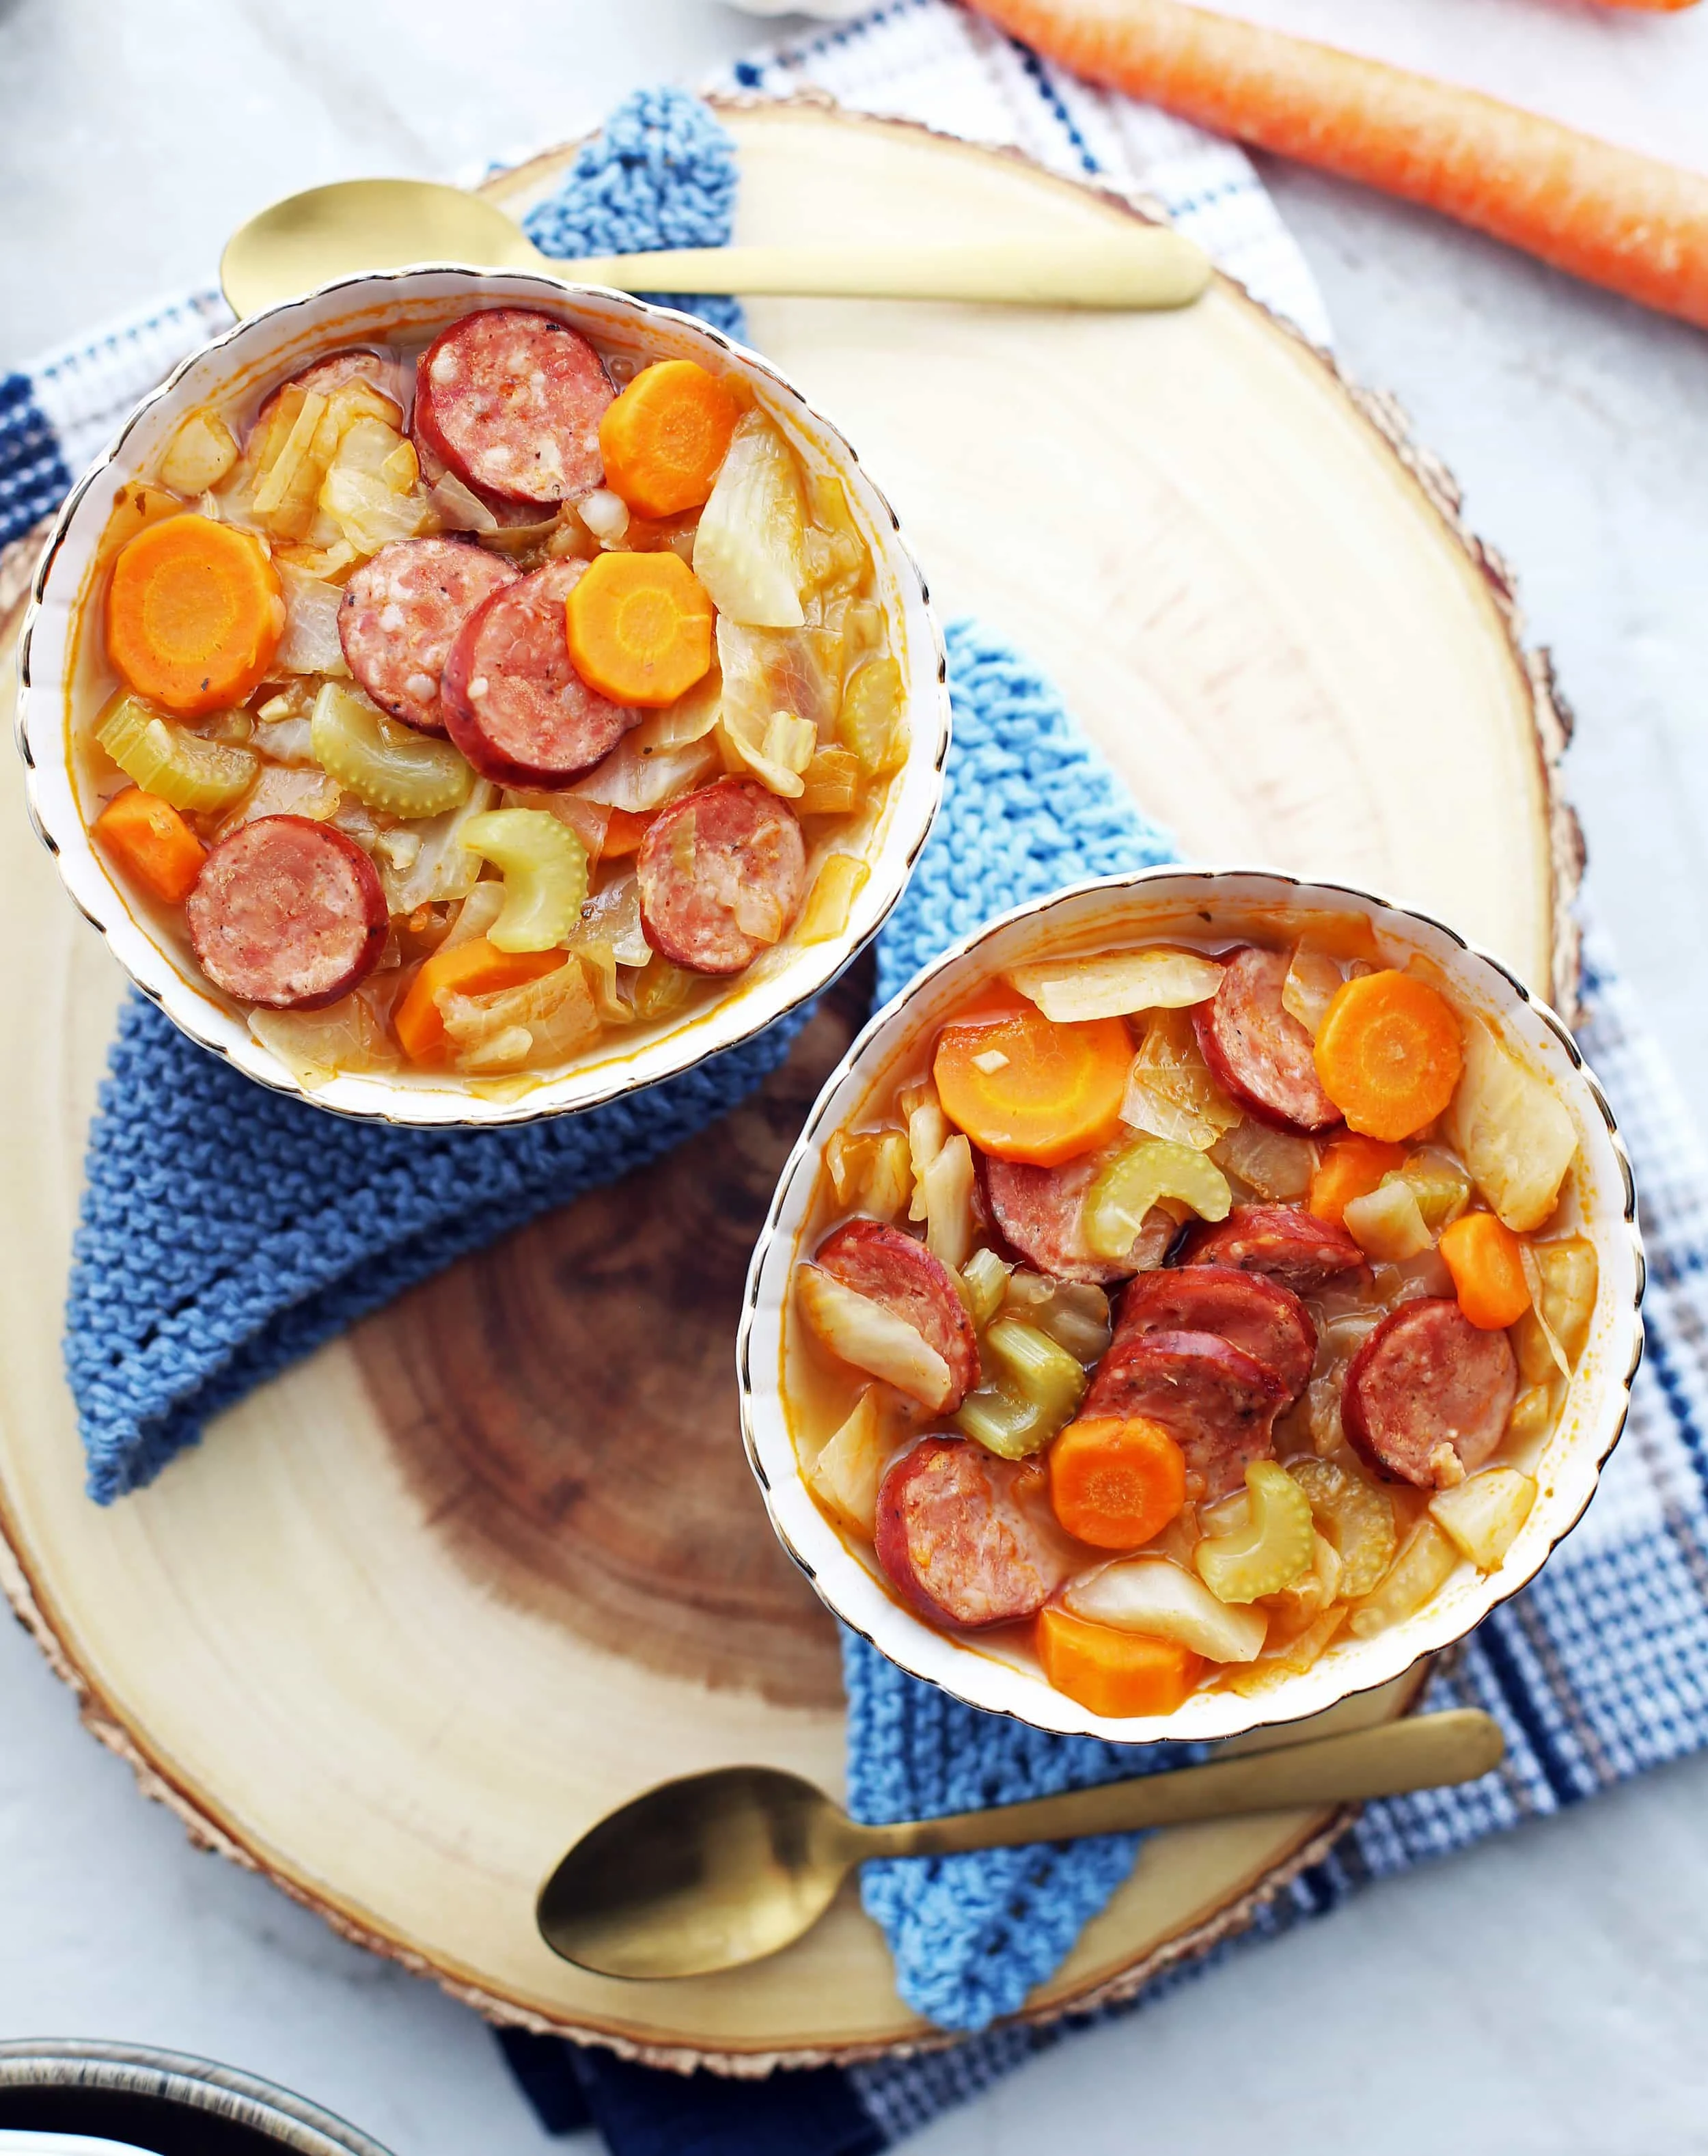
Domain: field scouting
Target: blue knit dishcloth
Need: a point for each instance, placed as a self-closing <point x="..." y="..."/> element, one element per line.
<point x="192" y="1284"/>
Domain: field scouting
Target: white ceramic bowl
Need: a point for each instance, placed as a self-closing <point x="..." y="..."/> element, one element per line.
<point x="1165" y="902"/>
<point x="263" y="350"/>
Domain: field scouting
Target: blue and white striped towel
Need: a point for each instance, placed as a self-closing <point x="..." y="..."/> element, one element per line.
<point x="1597" y="1671"/>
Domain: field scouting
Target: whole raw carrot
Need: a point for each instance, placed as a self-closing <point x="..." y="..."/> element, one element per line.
<point x="1605" y="214"/>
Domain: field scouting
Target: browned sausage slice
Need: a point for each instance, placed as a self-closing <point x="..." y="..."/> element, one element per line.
<point x="514" y="703"/>
<point x="511" y="401"/>
<point x="1216" y="1401"/>
<point x="1257" y="1050"/>
<point x="512" y="515"/>
<point x="957" y="1538"/>
<point x="1041" y="1213"/>
<point x="400" y="615"/>
<point x="1292" y="1245"/>
<point x="721" y="872"/>
<point x="1260" y="1316"/>
<point x="891" y="1267"/>
<point x="1427" y="1395"/>
<point x="287" y="913"/>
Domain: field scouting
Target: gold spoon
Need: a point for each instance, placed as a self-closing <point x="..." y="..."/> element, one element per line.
<point x="361" y="225"/>
<point x="723" y="1868"/>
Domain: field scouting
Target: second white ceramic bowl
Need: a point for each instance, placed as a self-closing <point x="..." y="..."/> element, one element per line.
<point x="415" y="304"/>
<point x="1169" y="904"/>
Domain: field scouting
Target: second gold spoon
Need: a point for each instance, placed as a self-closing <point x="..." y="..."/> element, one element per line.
<point x="358" y="226"/>
<point x="716" y="1870"/>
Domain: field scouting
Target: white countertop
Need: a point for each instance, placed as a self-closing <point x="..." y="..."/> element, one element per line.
<point x="1548" y="1993"/>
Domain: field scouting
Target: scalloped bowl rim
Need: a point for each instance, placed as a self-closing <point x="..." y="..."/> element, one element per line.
<point x="168" y="975"/>
<point x="1572" y="1457"/>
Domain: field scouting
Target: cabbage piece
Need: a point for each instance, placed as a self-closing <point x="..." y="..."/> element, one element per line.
<point x="445" y="868"/>
<point x="690" y="719"/>
<point x="1509" y="1129"/>
<point x="361" y="501"/>
<point x="850" y="1468"/>
<point x="748" y="549"/>
<point x="630" y="779"/>
<point x="1562" y="1277"/>
<point x="611" y="916"/>
<point x="1354" y="1517"/>
<point x="285" y="740"/>
<point x="874" y="1338"/>
<point x="476" y="914"/>
<point x="1116" y="982"/>
<point x="927" y="1134"/>
<point x="830" y="902"/>
<point x="948" y="1186"/>
<point x="1274" y="1164"/>
<point x="830" y="785"/>
<point x="763" y="671"/>
<point x="546" y="1020"/>
<point x="1387" y="1223"/>
<point x="1425" y="1562"/>
<point x="870" y="1172"/>
<point x="458" y="507"/>
<point x="1074" y="1313"/>
<point x="309" y="644"/>
<point x="284" y="790"/>
<point x="1483" y="1515"/>
<point x="1150" y="1596"/>
<point x="315" y="1046"/>
<point x="200" y="455"/>
<point x="1169" y="1092"/>
<point x="1314" y="980"/>
<point x="870" y="724"/>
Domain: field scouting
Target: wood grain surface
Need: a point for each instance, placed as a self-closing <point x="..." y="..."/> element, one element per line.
<point x="424" y="1608"/>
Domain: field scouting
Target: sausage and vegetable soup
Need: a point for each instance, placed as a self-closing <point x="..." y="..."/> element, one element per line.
<point x="1194" y="1307"/>
<point x="460" y="704"/>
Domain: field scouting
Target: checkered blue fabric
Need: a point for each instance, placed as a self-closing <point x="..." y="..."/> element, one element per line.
<point x="1597" y="1672"/>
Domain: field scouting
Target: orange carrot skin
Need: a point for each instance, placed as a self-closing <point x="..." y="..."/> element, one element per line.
<point x="1058" y="1094"/>
<point x="1119" y="1674"/>
<point x="1351" y="1168"/>
<point x="152" y="840"/>
<point x="1608" y="215"/>
<point x="1486" y="1261"/>
<point x="1114" y="1482"/>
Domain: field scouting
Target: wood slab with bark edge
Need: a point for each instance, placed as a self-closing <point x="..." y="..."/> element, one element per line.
<point x="428" y="1603"/>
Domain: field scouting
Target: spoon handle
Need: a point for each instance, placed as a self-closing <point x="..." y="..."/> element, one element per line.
<point x="1148" y="266"/>
<point x="1425" y="1751"/>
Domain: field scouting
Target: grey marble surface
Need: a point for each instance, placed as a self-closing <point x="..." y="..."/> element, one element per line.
<point x="1548" y="1993"/>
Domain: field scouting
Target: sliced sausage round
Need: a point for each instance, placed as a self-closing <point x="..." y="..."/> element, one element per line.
<point x="1260" y="1316"/>
<point x="1292" y="1245"/>
<point x="1427" y="1396"/>
<point x="721" y="872"/>
<point x="891" y="1267"/>
<point x="512" y="515"/>
<point x="1217" y="1402"/>
<point x="511" y="401"/>
<point x="1258" y="1051"/>
<point x="1041" y="1213"/>
<point x="958" y="1540"/>
<point x="513" y="701"/>
<point x="287" y="913"/>
<point x="400" y="615"/>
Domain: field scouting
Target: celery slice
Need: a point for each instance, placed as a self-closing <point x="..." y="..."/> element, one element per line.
<point x="389" y="766"/>
<point x="1039" y="1386"/>
<point x="1134" y="1181"/>
<point x="167" y="759"/>
<point x="544" y="870"/>
<point x="868" y="725"/>
<point x="1425" y="1562"/>
<point x="1354" y="1517"/>
<point x="1270" y="1552"/>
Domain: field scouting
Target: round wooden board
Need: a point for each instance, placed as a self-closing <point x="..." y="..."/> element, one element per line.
<point x="427" y="1605"/>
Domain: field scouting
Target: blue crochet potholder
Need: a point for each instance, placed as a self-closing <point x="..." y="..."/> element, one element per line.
<point x="227" y="1229"/>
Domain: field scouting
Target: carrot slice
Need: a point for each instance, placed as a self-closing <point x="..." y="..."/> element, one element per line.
<point x="1349" y="1169"/>
<point x="1115" y="1481"/>
<point x="194" y="615"/>
<point x="1611" y="215"/>
<point x="639" y="627"/>
<point x="624" y="833"/>
<point x="1389" y="1052"/>
<point x="1486" y="1261"/>
<point x="149" y="838"/>
<point x="1057" y="1090"/>
<point x="1112" y="1673"/>
<point x="474" y="968"/>
<point x="664" y="439"/>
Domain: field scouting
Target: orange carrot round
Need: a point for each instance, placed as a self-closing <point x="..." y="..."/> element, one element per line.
<point x="1389" y="1052"/>
<point x="664" y="439"/>
<point x="194" y="615"/>
<point x="1120" y="1674"/>
<point x="1611" y="216"/>
<point x="1115" y="1481"/>
<point x="1056" y="1092"/>
<point x="639" y="627"/>
<point x="1486" y="1261"/>
<point x="1349" y="1169"/>
<point x="473" y="968"/>
<point x="149" y="838"/>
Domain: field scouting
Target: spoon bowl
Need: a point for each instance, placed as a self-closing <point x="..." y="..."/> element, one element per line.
<point x="723" y="1868"/>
